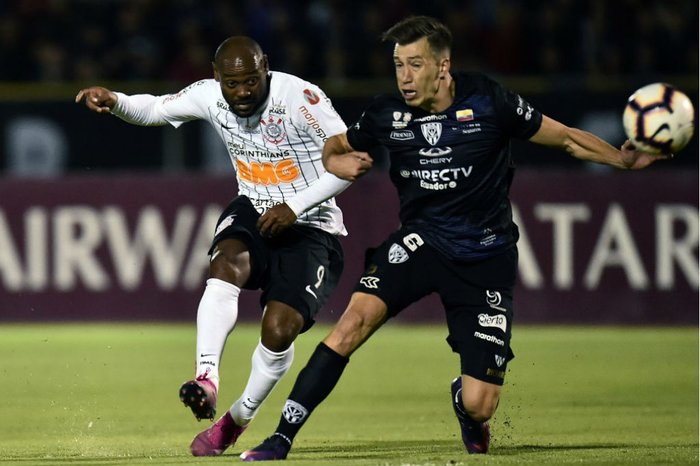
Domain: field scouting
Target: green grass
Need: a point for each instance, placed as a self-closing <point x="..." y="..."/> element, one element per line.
<point x="107" y="394"/>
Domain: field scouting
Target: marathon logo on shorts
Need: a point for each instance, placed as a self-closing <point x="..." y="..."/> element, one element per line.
<point x="397" y="254"/>
<point x="498" y="321"/>
<point x="489" y="338"/>
<point x="294" y="413"/>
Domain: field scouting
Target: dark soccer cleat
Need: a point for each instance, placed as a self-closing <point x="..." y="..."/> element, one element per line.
<point x="275" y="447"/>
<point x="200" y="395"/>
<point x="475" y="435"/>
<point x="216" y="439"/>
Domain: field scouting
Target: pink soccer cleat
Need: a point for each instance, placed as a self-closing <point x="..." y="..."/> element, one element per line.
<point x="200" y="395"/>
<point x="216" y="439"/>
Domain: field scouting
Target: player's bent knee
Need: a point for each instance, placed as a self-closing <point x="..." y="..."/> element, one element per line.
<point x="280" y="326"/>
<point x="230" y="262"/>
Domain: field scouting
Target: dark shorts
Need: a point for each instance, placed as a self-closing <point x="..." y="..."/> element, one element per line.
<point x="477" y="297"/>
<point x="300" y="267"/>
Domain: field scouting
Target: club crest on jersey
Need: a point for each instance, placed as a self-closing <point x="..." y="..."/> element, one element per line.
<point x="273" y="129"/>
<point x="397" y="254"/>
<point x="311" y="97"/>
<point x="431" y="132"/>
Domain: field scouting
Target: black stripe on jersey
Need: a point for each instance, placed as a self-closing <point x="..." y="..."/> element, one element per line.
<point x="296" y="154"/>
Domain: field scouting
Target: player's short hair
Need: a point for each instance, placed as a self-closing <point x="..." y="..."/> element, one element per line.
<point x="414" y="28"/>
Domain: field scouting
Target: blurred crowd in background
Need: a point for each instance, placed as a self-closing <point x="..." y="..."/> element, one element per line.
<point x="127" y="40"/>
<point x="577" y="60"/>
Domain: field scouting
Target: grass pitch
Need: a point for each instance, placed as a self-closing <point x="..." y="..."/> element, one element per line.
<point x="107" y="394"/>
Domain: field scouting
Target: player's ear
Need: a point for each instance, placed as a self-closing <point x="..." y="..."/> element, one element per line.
<point x="444" y="67"/>
<point x="216" y="72"/>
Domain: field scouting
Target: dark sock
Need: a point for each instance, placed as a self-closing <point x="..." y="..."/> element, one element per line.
<point x="314" y="383"/>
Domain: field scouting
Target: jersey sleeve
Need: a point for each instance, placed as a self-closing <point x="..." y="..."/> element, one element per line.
<point x="316" y="114"/>
<point x="147" y="110"/>
<point x="362" y="135"/>
<point x="520" y="119"/>
<point x="188" y="104"/>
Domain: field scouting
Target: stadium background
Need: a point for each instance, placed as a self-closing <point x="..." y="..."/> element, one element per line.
<point x="84" y="199"/>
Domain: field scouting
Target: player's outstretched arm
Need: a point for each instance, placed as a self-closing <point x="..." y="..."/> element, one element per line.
<point x="586" y="146"/>
<point x="98" y="99"/>
<point x="343" y="161"/>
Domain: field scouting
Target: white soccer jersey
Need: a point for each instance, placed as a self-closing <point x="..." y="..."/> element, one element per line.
<point x="276" y="152"/>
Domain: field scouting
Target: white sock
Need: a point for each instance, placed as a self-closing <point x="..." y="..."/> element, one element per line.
<point x="267" y="369"/>
<point x="216" y="317"/>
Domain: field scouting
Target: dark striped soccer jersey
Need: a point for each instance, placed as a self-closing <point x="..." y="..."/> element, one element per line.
<point x="453" y="169"/>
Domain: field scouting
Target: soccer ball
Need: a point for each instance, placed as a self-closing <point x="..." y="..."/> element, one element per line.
<point x="659" y="119"/>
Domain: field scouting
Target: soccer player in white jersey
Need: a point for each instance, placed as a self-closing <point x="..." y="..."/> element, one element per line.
<point x="279" y="234"/>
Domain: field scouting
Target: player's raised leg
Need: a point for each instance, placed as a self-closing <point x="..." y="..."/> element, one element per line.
<point x="280" y="327"/>
<point x="297" y="261"/>
<point x="217" y="313"/>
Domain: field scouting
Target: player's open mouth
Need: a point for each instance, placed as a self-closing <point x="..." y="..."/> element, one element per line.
<point x="408" y="94"/>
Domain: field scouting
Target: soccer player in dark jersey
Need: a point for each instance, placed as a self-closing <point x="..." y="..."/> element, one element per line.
<point x="448" y="137"/>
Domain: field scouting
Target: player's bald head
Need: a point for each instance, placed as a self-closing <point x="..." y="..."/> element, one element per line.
<point x="243" y="74"/>
<point x="238" y="53"/>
